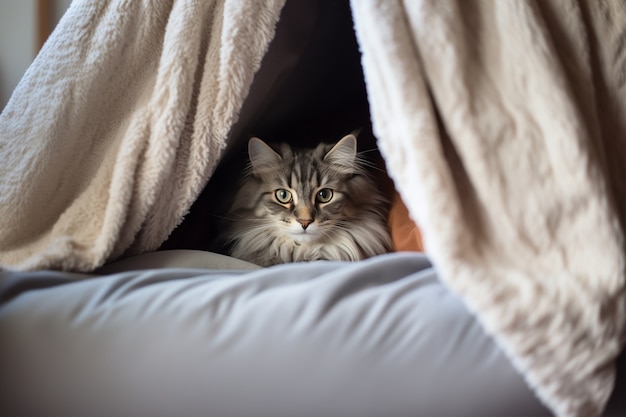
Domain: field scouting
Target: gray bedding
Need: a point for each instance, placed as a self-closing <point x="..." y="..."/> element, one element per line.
<point x="382" y="337"/>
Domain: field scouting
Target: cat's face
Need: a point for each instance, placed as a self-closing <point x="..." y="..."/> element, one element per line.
<point x="305" y="195"/>
<point x="304" y="205"/>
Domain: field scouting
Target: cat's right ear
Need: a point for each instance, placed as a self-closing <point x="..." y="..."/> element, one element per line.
<point x="343" y="155"/>
<point x="262" y="157"/>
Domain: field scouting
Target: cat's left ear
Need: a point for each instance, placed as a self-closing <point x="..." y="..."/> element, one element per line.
<point x="343" y="154"/>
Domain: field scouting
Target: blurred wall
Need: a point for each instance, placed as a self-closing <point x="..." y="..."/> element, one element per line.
<point x="18" y="39"/>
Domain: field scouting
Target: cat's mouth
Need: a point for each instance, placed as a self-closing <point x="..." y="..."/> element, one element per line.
<point x="305" y="236"/>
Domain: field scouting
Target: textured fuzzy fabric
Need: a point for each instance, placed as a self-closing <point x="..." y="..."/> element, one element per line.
<point x="503" y="125"/>
<point x="118" y="124"/>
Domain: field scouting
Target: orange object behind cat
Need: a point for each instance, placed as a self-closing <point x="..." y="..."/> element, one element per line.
<point x="405" y="234"/>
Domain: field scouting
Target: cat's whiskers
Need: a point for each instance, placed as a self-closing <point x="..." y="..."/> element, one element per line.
<point x="366" y="163"/>
<point x="252" y="232"/>
<point x="240" y="218"/>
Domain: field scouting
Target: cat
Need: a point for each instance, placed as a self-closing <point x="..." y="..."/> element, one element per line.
<point x="296" y="205"/>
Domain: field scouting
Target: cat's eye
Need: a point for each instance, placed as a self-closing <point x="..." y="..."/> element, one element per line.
<point x="283" y="196"/>
<point x="325" y="195"/>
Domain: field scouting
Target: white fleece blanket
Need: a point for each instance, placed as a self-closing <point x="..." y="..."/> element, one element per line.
<point x="118" y="124"/>
<point x="502" y="123"/>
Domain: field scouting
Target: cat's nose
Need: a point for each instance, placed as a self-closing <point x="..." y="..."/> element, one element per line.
<point x="305" y="222"/>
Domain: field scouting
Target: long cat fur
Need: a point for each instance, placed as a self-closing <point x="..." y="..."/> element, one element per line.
<point x="264" y="231"/>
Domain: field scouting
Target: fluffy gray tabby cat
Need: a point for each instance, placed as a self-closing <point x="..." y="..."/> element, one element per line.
<point x="304" y="205"/>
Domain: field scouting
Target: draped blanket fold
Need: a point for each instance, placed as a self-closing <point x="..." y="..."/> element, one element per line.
<point x="119" y="122"/>
<point x="503" y="125"/>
